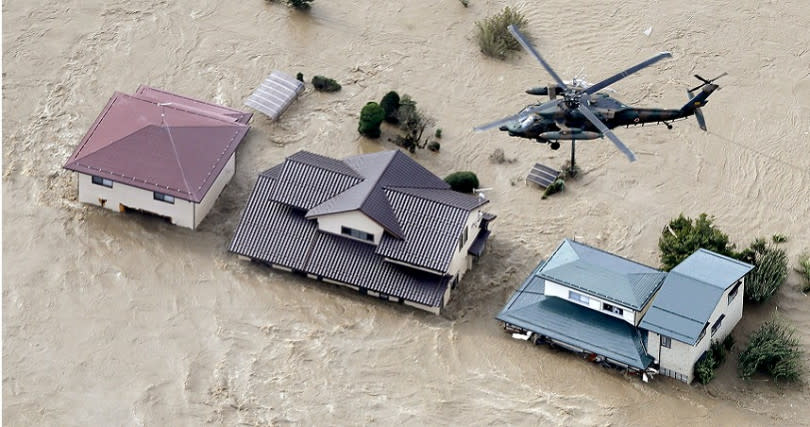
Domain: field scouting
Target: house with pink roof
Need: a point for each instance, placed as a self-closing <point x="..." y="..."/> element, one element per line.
<point x="159" y="153"/>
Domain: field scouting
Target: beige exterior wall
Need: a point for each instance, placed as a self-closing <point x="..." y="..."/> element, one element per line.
<point x="353" y="219"/>
<point x="462" y="261"/>
<point x="561" y="291"/>
<point x="681" y="357"/>
<point x="181" y="212"/>
<point x="205" y="205"/>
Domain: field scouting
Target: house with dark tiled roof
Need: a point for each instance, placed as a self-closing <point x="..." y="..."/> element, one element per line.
<point x="628" y="314"/>
<point x="379" y="223"/>
<point x="159" y="152"/>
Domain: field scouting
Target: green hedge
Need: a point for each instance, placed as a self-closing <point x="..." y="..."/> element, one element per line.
<point x="463" y="181"/>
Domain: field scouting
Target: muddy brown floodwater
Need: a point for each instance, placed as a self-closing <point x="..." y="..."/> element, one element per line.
<point x="124" y="320"/>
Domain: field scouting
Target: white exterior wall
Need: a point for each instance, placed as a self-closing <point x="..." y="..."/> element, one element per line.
<point x="681" y="357"/>
<point x="353" y="219"/>
<point x="181" y="212"/>
<point x="561" y="291"/>
<point x="205" y="205"/>
<point x="462" y="261"/>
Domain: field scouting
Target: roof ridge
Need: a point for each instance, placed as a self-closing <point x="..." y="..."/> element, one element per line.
<point x="356" y="175"/>
<point x="612" y="254"/>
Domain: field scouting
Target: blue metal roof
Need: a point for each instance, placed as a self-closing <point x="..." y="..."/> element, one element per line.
<point x="690" y="294"/>
<point x="573" y="324"/>
<point x="602" y="274"/>
<point x="712" y="268"/>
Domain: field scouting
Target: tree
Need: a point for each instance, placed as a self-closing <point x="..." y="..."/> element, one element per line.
<point x="683" y="236"/>
<point x="803" y="268"/>
<point x="770" y="269"/>
<point x="462" y="181"/>
<point x="300" y="4"/>
<point x="413" y="124"/>
<point x="774" y="350"/>
<point x="370" y="118"/>
<point x="390" y="103"/>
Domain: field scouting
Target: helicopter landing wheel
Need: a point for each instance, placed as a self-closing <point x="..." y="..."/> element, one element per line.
<point x="555" y="145"/>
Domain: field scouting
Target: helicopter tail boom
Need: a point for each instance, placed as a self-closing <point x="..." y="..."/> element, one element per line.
<point x="698" y="100"/>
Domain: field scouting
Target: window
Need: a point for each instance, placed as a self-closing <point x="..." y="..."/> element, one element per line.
<point x="574" y="296"/>
<point x="612" y="308"/>
<point x="666" y="342"/>
<point x="717" y="324"/>
<point x="164" y="197"/>
<point x="357" y="234"/>
<point x="733" y="293"/>
<point x="463" y="238"/>
<point x="102" y="181"/>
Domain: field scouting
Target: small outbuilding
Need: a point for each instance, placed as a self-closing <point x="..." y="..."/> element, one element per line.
<point x="628" y="314"/>
<point x="158" y="152"/>
<point x="378" y="223"/>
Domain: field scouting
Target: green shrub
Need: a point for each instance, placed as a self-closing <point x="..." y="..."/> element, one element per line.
<point x="300" y="77"/>
<point x="769" y="273"/>
<point x="682" y="237"/>
<point x="728" y="342"/>
<point x="555" y="187"/>
<point x="438" y="133"/>
<point x="390" y="103"/>
<point x="463" y="181"/>
<point x="718" y="351"/>
<point x="434" y="146"/>
<point x="325" y="84"/>
<point x="705" y="367"/>
<point x="803" y="268"/>
<point x="370" y="118"/>
<point x="493" y="34"/>
<point x="465" y="2"/>
<point x="774" y="350"/>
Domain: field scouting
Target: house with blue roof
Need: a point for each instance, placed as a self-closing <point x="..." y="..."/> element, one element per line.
<point x="626" y="313"/>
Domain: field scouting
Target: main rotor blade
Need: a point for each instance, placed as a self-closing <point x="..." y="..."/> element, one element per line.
<point x="497" y="123"/>
<point x="518" y="116"/>
<point x="698" y="113"/>
<point x="616" y="77"/>
<point x="705" y="82"/>
<point x="526" y="45"/>
<point x="605" y="131"/>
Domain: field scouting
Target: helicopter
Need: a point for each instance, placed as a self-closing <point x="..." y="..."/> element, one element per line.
<point x="582" y="112"/>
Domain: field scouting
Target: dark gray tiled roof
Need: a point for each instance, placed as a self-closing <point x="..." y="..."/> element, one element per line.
<point x="272" y="232"/>
<point x="603" y="274"/>
<point x="450" y="198"/>
<point x="573" y="324"/>
<point x="354" y="262"/>
<point x="380" y="170"/>
<point x="308" y="184"/>
<point x="690" y="294"/>
<point x="273" y="172"/>
<point x="431" y="231"/>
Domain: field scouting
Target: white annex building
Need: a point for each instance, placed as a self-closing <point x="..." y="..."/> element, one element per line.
<point x="631" y="315"/>
<point x="378" y="223"/>
<point x="160" y="153"/>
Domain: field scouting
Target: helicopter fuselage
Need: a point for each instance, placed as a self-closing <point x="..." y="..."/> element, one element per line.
<point x="558" y="122"/>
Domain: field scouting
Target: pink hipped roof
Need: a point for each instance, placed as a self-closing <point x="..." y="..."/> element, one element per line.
<point x="160" y="141"/>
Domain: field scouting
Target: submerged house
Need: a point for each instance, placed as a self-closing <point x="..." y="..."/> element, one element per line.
<point x="378" y="223"/>
<point x="628" y="314"/>
<point x="160" y="153"/>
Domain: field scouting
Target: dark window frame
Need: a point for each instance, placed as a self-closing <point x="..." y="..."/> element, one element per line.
<point x="734" y="291"/>
<point x="610" y="308"/>
<point x="717" y="324"/>
<point x="157" y="195"/>
<point x="101" y="181"/>
<point x="666" y="341"/>
<point x="357" y="234"/>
